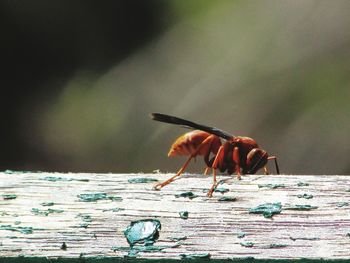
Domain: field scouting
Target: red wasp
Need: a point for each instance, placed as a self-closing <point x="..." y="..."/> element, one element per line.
<point x="240" y="155"/>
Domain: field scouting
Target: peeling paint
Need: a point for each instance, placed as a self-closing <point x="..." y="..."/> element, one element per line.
<point x="9" y="196"/>
<point x="301" y="207"/>
<point x="37" y="211"/>
<point x="247" y="244"/>
<point x="241" y="235"/>
<point x="61" y="179"/>
<point x="196" y="256"/>
<point x="144" y="231"/>
<point x="98" y="196"/>
<point x="176" y="239"/>
<point x="305" y="196"/>
<point x="142" y="180"/>
<point x="190" y="195"/>
<point x="183" y="214"/>
<point x="304" y="238"/>
<point x="221" y="190"/>
<point x="271" y="186"/>
<point x="277" y="245"/>
<point x="21" y="229"/>
<point x="267" y="210"/>
<point x="47" y="203"/>
<point x="116" y="209"/>
<point x="341" y="204"/>
<point x="227" y="199"/>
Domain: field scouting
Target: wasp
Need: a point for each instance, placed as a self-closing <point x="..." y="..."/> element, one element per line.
<point x="238" y="154"/>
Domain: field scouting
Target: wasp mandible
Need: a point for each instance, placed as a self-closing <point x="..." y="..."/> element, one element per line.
<point x="238" y="154"/>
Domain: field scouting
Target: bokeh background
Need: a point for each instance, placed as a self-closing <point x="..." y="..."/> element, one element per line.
<point x="79" y="79"/>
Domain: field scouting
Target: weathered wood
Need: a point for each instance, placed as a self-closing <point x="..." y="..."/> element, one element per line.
<point x="213" y="226"/>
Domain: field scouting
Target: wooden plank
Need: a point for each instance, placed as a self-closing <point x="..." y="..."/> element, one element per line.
<point x="213" y="226"/>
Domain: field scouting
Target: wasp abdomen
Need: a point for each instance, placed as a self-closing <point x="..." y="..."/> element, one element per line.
<point x="188" y="144"/>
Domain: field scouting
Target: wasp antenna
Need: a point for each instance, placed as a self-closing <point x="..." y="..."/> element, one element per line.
<point x="189" y="124"/>
<point x="166" y="118"/>
<point x="171" y="119"/>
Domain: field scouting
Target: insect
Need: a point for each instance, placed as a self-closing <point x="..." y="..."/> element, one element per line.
<point x="238" y="154"/>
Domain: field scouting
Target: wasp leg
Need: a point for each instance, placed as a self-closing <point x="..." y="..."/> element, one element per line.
<point x="215" y="184"/>
<point x="207" y="141"/>
<point x="218" y="159"/>
<point x="207" y="170"/>
<point x="236" y="160"/>
<point x="276" y="164"/>
<point x="182" y="169"/>
<point x="266" y="171"/>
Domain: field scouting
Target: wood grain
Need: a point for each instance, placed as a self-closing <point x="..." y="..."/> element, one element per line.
<point x="213" y="226"/>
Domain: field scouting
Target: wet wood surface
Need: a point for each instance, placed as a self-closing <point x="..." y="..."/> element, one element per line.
<point x="41" y="211"/>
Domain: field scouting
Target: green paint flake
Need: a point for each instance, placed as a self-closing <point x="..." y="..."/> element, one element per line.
<point x="301" y="207"/>
<point x="98" y="196"/>
<point x="221" y="190"/>
<point x="190" y="195"/>
<point x="116" y="209"/>
<point x="84" y="225"/>
<point x="17" y="172"/>
<point x="176" y="239"/>
<point x="9" y="196"/>
<point x="64" y="246"/>
<point x="241" y="235"/>
<point x="61" y="179"/>
<point x="305" y="196"/>
<point x="144" y="231"/>
<point x="47" y="204"/>
<point x="342" y="204"/>
<point x="267" y="210"/>
<point x="142" y="180"/>
<point x="227" y="199"/>
<point x="37" y="211"/>
<point x="85" y="217"/>
<point x="304" y="238"/>
<point x="55" y="179"/>
<point x="183" y="214"/>
<point x="114" y="198"/>
<point x="21" y="229"/>
<point x="302" y="184"/>
<point x="92" y="197"/>
<point x="196" y="256"/>
<point x="277" y="246"/>
<point x="271" y="186"/>
<point x="82" y="180"/>
<point x="9" y="172"/>
<point x="247" y="244"/>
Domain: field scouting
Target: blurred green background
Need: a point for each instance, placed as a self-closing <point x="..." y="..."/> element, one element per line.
<point x="79" y="79"/>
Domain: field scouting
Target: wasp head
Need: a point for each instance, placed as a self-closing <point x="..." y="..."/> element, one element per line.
<point x="256" y="159"/>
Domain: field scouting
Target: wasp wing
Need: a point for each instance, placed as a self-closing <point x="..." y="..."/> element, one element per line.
<point x="189" y="124"/>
